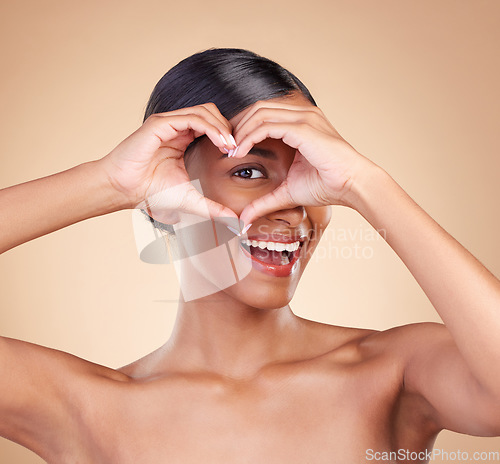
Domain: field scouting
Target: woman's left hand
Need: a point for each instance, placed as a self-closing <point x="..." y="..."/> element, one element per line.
<point x="325" y="165"/>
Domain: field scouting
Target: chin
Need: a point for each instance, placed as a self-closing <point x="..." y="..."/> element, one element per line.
<point x="265" y="303"/>
<point x="262" y="281"/>
<point x="263" y="294"/>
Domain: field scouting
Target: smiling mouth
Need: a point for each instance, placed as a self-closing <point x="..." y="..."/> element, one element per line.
<point x="273" y="253"/>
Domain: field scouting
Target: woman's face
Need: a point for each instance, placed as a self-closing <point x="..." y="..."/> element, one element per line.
<point x="273" y="275"/>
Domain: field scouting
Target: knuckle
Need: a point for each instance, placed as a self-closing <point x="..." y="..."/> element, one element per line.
<point x="270" y="124"/>
<point x="259" y="104"/>
<point x="303" y="126"/>
<point x="319" y="117"/>
<point x="314" y="114"/>
<point x="261" y="129"/>
<point x="262" y="111"/>
<point x="152" y="119"/>
<point x="204" y="109"/>
<point x="217" y="208"/>
<point x="194" y="117"/>
<point x="210" y="105"/>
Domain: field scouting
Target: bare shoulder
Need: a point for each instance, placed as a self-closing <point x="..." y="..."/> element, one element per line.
<point x="403" y="340"/>
<point x="380" y="358"/>
<point x="46" y="382"/>
<point x="407" y="340"/>
<point x="394" y="348"/>
<point x="333" y="336"/>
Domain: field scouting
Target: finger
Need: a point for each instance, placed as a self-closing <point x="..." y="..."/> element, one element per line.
<point x="262" y="104"/>
<point x="281" y="115"/>
<point x="214" y="116"/>
<point x="195" y="203"/>
<point x="276" y="200"/>
<point x="166" y="128"/>
<point x="207" y="110"/>
<point x="212" y="108"/>
<point x="308" y="141"/>
<point x="318" y="148"/>
<point x="211" y="113"/>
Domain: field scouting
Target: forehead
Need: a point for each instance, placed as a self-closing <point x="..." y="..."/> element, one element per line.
<point x="295" y="99"/>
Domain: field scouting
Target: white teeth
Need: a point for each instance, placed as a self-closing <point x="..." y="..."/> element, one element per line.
<point x="273" y="246"/>
<point x="280" y="247"/>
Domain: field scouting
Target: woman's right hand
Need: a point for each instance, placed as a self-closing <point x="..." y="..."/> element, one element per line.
<point x="148" y="166"/>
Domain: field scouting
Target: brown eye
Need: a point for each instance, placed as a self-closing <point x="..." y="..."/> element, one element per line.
<point x="249" y="173"/>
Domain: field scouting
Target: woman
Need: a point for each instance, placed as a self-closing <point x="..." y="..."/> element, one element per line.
<point x="232" y="136"/>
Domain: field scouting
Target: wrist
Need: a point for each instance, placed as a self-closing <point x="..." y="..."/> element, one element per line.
<point x="115" y="198"/>
<point x="365" y="185"/>
<point x="110" y="198"/>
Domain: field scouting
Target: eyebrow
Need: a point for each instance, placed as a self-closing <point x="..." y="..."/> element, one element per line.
<point x="269" y="154"/>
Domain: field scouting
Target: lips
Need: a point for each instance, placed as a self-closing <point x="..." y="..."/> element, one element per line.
<point x="276" y="258"/>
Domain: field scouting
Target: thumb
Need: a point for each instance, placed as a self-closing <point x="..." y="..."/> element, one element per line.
<point x="276" y="200"/>
<point x="195" y="203"/>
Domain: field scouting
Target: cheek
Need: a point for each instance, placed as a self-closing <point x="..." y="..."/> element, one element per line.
<point x="238" y="199"/>
<point x="226" y="194"/>
<point x="319" y="217"/>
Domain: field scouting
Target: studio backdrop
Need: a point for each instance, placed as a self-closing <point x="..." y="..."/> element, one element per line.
<point x="412" y="85"/>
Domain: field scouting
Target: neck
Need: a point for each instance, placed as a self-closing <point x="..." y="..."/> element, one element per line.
<point x="222" y="335"/>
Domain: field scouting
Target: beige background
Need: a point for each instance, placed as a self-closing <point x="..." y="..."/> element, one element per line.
<point x="413" y="85"/>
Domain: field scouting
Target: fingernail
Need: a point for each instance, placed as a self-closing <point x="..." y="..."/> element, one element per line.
<point x="231" y="153"/>
<point x="232" y="139"/>
<point x="234" y="231"/>
<point x="246" y="228"/>
<point x="235" y="151"/>
<point x="225" y="150"/>
<point x="223" y="139"/>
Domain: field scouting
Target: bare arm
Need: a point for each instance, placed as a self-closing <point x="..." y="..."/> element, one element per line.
<point x="144" y="165"/>
<point x="458" y="374"/>
<point x="40" y="387"/>
<point x="457" y="367"/>
<point x="41" y="206"/>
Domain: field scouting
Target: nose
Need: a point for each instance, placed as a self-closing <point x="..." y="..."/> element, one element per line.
<point x="291" y="217"/>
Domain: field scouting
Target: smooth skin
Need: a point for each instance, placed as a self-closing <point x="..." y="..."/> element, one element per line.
<point x="239" y="381"/>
